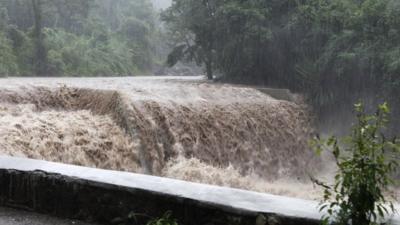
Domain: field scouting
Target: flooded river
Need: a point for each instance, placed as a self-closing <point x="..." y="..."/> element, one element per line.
<point x="184" y="128"/>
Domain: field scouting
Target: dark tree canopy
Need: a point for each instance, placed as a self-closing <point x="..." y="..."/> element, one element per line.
<point x="336" y="51"/>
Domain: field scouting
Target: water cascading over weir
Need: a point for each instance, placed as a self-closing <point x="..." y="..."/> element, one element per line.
<point x="185" y="129"/>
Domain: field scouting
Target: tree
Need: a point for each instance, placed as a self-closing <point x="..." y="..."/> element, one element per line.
<point x="78" y="37"/>
<point x="7" y="58"/>
<point x="69" y="14"/>
<point x="333" y="51"/>
<point x="8" y="65"/>
<point x="3" y="18"/>
<point x="40" y="60"/>
<point x="193" y="25"/>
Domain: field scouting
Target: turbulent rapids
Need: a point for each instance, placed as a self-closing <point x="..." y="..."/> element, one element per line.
<point x="180" y="128"/>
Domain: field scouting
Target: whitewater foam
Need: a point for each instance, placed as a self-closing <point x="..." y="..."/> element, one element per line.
<point x="185" y="129"/>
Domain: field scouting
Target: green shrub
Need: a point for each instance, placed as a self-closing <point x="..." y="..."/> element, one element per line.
<point x="365" y="168"/>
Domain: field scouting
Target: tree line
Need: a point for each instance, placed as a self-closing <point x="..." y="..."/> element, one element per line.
<point x="335" y="51"/>
<point x="77" y="37"/>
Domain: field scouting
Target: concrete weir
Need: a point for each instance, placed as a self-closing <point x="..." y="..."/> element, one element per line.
<point x="107" y="197"/>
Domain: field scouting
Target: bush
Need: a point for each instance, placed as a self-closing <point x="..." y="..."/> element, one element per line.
<point x="365" y="169"/>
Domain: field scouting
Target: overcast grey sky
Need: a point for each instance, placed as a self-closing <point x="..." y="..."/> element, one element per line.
<point x="161" y="4"/>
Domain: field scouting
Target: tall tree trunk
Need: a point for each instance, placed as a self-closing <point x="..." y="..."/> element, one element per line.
<point x="40" y="60"/>
<point x="209" y="62"/>
<point x="209" y="70"/>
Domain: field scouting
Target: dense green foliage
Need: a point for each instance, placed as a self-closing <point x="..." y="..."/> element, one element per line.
<point x="77" y="37"/>
<point x="336" y="51"/>
<point x="364" y="172"/>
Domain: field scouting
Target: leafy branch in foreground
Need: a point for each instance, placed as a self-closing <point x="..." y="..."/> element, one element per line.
<point x="365" y="168"/>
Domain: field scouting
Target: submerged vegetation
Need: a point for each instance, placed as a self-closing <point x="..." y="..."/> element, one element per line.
<point x="78" y="38"/>
<point x="365" y="170"/>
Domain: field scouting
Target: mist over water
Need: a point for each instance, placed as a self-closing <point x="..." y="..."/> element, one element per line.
<point x="181" y="128"/>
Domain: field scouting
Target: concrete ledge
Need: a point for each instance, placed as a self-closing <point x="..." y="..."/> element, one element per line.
<point x="104" y="196"/>
<point x="280" y="94"/>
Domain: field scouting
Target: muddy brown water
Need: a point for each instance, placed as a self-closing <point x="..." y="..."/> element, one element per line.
<point x="184" y="128"/>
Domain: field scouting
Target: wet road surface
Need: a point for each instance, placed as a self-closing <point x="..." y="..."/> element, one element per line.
<point x="17" y="217"/>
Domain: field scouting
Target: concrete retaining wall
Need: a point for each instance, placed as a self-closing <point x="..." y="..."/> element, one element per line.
<point x="280" y="94"/>
<point x="107" y="197"/>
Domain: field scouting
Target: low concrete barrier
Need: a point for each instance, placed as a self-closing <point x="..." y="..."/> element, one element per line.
<point x="280" y="94"/>
<point x="107" y="197"/>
